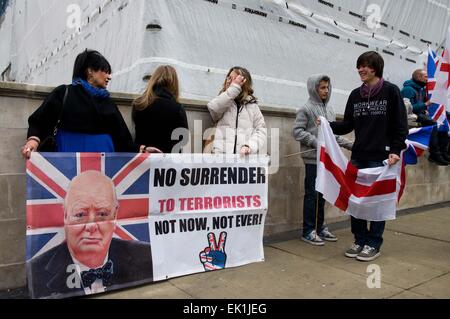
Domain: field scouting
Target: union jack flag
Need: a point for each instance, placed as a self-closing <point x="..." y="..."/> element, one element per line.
<point x="418" y="142"/>
<point x="437" y="111"/>
<point x="48" y="178"/>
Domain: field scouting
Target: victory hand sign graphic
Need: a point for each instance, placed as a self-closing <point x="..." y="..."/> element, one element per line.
<point x="214" y="257"/>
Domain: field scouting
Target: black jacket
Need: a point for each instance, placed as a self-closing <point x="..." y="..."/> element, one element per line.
<point x="379" y="122"/>
<point x="81" y="114"/>
<point x="155" y="124"/>
<point x="47" y="275"/>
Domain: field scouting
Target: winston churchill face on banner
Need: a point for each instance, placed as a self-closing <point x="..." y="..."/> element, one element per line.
<point x="90" y="260"/>
<point x="90" y="213"/>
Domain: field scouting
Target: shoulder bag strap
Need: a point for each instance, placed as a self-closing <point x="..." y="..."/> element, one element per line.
<point x="55" y="130"/>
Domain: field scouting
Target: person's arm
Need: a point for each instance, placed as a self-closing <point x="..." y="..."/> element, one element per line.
<point x="259" y="136"/>
<point x="418" y="106"/>
<point x="347" y="125"/>
<point x="345" y="143"/>
<point x="220" y="104"/>
<point x="135" y="121"/>
<point x="299" y="130"/>
<point x="123" y="142"/>
<point x="182" y="122"/>
<point x="43" y="121"/>
<point x="399" y="123"/>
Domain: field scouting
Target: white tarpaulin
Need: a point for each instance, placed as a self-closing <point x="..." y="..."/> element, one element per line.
<point x="281" y="42"/>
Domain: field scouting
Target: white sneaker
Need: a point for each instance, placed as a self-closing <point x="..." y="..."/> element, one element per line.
<point x="354" y="251"/>
<point x="325" y="234"/>
<point x="313" y="239"/>
<point x="368" y="254"/>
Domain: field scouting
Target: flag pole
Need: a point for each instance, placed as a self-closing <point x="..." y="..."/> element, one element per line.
<point x="317" y="210"/>
<point x="440" y="46"/>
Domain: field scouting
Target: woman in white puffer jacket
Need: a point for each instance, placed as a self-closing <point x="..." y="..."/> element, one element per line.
<point x="240" y="126"/>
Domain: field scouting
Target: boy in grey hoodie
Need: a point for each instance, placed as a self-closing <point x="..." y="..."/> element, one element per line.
<point x="305" y="131"/>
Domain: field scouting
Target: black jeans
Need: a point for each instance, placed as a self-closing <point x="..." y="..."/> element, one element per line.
<point x="373" y="236"/>
<point x="312" y="202"/>
<point x="443" y="142"/>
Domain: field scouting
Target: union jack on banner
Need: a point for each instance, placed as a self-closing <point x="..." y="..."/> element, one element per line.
<point x="48" y="178"/>
<point x="437" y="111"/>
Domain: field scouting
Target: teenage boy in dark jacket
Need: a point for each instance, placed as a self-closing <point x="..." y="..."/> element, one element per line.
<point x="377" y="114"/>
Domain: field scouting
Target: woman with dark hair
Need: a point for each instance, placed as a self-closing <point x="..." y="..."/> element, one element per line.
<point x="157" y="113"/>
<point x="82" y="114"/>
<point x="240" y="125"/>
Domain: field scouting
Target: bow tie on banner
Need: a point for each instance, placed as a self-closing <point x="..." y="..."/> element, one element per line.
<point x="104" y="273"/>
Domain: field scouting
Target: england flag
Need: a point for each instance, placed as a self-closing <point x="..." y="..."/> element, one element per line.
<point x="371" y="194"/>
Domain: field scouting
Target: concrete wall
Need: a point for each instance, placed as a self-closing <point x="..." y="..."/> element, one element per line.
<point x="426" y="184"/>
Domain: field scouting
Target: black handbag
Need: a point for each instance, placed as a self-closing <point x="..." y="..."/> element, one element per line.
<point x="49" y="143"/>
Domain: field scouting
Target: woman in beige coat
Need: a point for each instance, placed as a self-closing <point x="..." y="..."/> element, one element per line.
<point x="240" y="126"/>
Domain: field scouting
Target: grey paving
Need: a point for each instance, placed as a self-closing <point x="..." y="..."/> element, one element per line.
<point x="415" y="263"/>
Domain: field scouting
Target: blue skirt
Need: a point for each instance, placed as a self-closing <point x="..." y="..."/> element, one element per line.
<point x="81" y="142"/>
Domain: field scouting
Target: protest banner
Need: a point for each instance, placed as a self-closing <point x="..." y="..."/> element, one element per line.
<point x="100" y="222"/>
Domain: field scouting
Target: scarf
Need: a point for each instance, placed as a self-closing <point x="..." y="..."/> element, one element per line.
<point x="91" y="90"/>
<point x="368" y="91"/>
